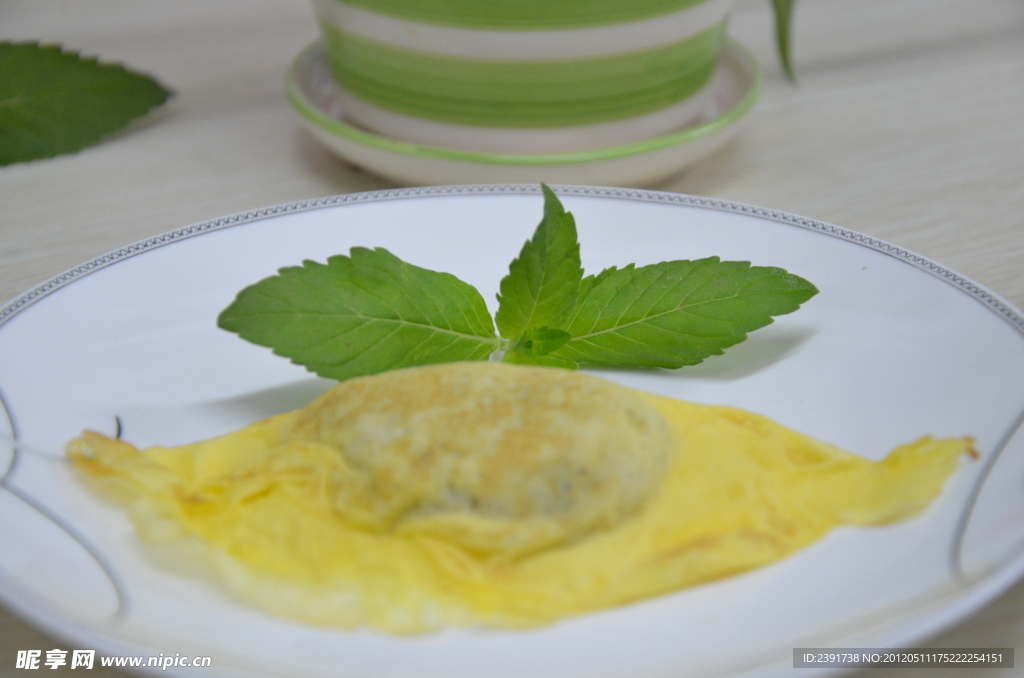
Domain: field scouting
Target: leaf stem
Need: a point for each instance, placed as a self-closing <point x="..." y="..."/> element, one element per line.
<point x="783" y="24"/>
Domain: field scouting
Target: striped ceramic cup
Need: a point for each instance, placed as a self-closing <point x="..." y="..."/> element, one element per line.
<point x="523" y="76"/>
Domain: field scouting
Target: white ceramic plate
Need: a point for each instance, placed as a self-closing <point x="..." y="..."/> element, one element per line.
<point x="728" y="97"/>
<point x="894" y="347"/>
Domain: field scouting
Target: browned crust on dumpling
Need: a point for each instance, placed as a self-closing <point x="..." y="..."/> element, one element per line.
<point x="502" y="459"/>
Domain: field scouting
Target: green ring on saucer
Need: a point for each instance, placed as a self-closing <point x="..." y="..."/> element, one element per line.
<point x="319" y="119"/>
<point x="522" y="14"/>
<point x="523" y="94"/>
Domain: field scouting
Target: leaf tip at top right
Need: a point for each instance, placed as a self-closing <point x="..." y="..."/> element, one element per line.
<point x="783" y="31"/>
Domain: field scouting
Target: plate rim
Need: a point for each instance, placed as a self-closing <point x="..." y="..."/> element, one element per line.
<point x="992" y="300"/>
<point x="970" y="597"/>
<point x="313" y="115"/>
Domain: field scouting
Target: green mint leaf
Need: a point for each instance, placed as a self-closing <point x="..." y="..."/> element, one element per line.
<point x="363" y="314"/>
<point x="54" y="102"/>
<point x="543" y="282"/>
<point x="676" y="313"/>
<point x="783" y="24"/>
<point x="540" y="341"/>
<point x="586" y="286"/>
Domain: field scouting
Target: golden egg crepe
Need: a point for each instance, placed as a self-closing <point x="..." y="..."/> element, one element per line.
<point x="483" y="494"/>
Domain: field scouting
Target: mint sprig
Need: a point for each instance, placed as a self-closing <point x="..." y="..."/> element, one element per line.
<point x="371" y="312"/>
<point x="54" y="102"/>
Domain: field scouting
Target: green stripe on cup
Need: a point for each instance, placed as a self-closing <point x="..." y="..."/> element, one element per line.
<point x="744" y="64"/>
<point x="522" y="14"/>
<point x="544" y="93"/>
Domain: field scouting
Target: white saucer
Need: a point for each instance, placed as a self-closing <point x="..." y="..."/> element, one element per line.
<point x="319" y="100"/>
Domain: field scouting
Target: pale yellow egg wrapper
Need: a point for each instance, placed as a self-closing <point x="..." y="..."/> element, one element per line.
<point x="490" y="495"/>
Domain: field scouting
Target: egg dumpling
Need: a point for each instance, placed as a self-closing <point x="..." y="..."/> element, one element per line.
<point x="483" y="494"/>
<point x="499" y="460"/>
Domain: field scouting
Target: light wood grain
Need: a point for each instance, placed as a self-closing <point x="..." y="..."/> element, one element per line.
<point x="907" y="124"/>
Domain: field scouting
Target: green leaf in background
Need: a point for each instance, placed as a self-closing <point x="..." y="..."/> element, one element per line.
<point x="362" y="314"/>
<point x="543" y="282"/>
<point x="783" y="24"/>
<point x="676" y="313"/>
<point x="54" y="102"/>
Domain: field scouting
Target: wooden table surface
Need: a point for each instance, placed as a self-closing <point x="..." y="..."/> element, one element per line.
<point x="907" y="124"/>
